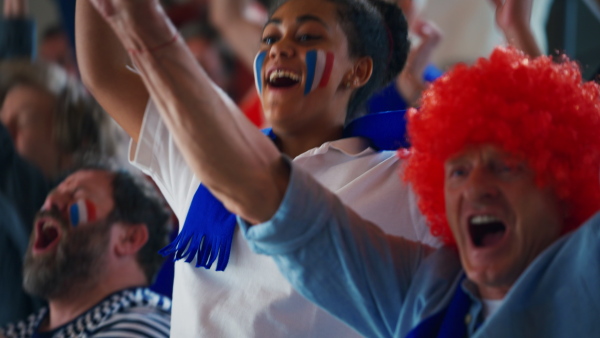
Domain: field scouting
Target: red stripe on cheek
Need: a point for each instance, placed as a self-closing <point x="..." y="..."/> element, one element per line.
<point x="327" y="70"/>
<point x="91" y="211"/>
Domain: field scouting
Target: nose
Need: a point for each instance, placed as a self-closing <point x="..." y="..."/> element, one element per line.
<point x="59" y="201"/>
<point x="283" y="48"/>
<point x="480" y="185"/>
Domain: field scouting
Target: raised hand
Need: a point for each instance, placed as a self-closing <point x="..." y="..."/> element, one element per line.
<point x="513" y="17"/>
<point x="513" y="14"/>
<point x="410" y="82"/>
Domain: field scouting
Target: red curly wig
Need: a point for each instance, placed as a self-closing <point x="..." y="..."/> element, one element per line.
<point x="533" y="108"/>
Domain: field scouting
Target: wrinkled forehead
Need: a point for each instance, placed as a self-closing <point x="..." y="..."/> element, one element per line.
<point x="92" y="181"/>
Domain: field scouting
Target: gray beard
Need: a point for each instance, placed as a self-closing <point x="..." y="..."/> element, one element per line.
<point x="73" y="267"/>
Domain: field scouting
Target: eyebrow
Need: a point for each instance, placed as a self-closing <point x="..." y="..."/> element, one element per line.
<point x="300" y="19"/>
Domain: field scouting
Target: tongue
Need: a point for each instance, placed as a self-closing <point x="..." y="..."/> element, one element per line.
<point x="492" y="238"/>
<point x="47" y="237"/>
<point x="283" y="82"/>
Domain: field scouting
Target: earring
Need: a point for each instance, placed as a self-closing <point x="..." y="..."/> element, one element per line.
<point x="348" y="84"/>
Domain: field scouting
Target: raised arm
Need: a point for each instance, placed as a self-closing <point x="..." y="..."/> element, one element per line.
<point x="240" y="165"/>
<point x="241" y="33"/>
<point x="15" y="8"/>
<point x="513" y="17"/>
<point x="17" y="31"/>
<point x="410" y="82"/>
<point x="102" y="62"/>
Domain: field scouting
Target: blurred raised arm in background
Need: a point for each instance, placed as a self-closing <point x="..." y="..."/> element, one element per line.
<point x="513" y="17"/>
<point x="17" y="31"/>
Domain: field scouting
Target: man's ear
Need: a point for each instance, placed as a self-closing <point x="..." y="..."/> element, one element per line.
<point x="130" y="238"/>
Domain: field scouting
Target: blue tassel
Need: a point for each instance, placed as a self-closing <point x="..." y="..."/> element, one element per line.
<point x="206" y="234"/>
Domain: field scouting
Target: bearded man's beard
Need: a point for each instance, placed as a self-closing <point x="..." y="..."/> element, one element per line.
<point x="75" y="264"/>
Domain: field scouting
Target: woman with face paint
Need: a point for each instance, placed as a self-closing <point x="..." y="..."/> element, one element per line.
<point x="319" y="60"/>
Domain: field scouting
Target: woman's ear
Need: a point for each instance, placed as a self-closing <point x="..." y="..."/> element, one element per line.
<point x="130" y="238"/>
<point x="363" y="69"/>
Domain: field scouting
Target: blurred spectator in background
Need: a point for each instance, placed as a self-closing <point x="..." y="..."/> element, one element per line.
<point x="204" y="43"/>
<point x="469" y="28"/>
<point x="55" y="47"/>
<point x="18" y="38"/>
<point x="53" y="125"/>
<point x="512" y="17"/>
<point x="48" y="125"/>
<point x="17" y="31"/>
<point x="91" y="254"/>
<point x="13" y="243"/>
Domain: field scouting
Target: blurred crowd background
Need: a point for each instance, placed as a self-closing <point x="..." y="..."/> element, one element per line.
<point x="572" y="26"/>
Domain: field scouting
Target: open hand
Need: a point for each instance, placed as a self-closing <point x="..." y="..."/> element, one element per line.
<point x="410" y="82"/>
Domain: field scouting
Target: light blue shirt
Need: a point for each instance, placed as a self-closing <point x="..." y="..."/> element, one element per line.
<point x="384" y="286"/>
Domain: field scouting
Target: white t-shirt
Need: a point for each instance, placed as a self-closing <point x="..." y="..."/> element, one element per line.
<point x="251" y="298"/>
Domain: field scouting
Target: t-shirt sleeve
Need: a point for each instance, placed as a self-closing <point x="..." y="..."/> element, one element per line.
<point x="157" y="155"/>
<point x="336" y="259"/>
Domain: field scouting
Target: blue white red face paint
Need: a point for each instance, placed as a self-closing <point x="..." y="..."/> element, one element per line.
<point x="319" y="64"/>
<point x="82" y="212"/>
<point x="259" y="62"/>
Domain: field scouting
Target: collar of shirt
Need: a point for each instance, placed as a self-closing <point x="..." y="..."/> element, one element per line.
<point x="351" y="146"/>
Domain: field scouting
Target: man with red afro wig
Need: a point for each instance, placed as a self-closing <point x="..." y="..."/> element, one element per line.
<point x="505" y="160"/>
<point x="536" y="110"/>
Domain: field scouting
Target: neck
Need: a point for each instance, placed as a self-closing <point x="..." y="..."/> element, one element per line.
<point x="293" y="144"/>
<point x="77" y="300"/>
<point x="492" y="293"/>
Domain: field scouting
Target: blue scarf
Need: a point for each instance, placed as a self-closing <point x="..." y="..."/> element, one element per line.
<point x="208" y="229"/>
<point x="448" y="323"/>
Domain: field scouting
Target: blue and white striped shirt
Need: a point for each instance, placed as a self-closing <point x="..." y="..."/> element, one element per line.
<point x="136" y="312"/>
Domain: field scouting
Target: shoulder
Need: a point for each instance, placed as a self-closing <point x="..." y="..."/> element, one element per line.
<point x="142" y="313"/>
<point x="23" y="328"/>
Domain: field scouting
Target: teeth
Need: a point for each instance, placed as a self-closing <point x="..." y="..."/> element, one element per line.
<point x="484" y="219"/>
<point x="282" y="73"/>
<point x="47" y="225"/>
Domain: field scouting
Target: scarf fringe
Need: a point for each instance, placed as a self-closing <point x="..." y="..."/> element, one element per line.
<point x="202" y="247"/>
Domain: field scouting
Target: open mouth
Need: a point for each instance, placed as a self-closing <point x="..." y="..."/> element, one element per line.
<point x="47" y="235"/>
<point x="486" y="230"/>
<point x="283" y="79"/>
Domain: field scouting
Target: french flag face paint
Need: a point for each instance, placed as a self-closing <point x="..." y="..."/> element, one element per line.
<point x="318" y="65"/>
<point x="82" y="212"/>
<point x="259" y="62"/>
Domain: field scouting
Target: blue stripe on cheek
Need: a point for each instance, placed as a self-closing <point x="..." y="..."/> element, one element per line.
<point x="74" y="214"/>
<point x="311" y="63"/>
<point x="258" y="66"/>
